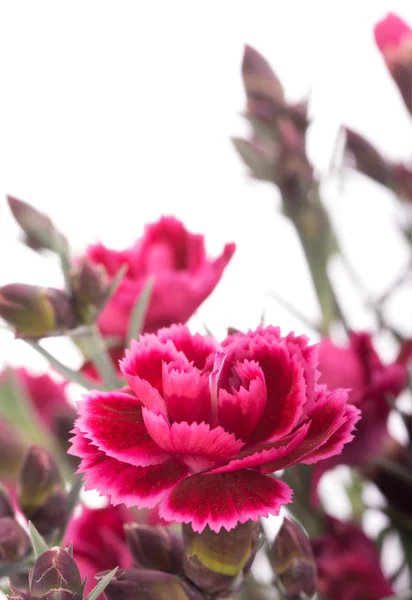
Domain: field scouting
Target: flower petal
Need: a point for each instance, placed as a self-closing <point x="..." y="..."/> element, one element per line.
<point x="224" y="500"/>
<point x="195" y="347"/>
<point x="113" y="421"/>
<point x="145" y="359"/>
<point x="241" y="409"/>
<point x="255" y="457"/>
<point x="147" y="395"/>
<point x="326" y="417"/>
<point x="197" y="445"/>
<point x="186" y="393"/>
<point x="334" y="445"/>
<point x="143" y="487"/>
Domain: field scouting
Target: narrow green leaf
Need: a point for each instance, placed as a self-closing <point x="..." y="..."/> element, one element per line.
<point x="260" y="164"/>
<point x="70" y="549"/>
<point x="102" y="585"/>
<point x="90" y="342"/>
<point x="38" y="543"/>
<point x="68" y="373"/>
<point x="139" y="311"/>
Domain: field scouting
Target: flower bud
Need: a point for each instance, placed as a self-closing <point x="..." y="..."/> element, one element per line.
<point x="12" y="449"/>
<point x="39" y="231"/>
<point x="35" y="311"/>
<point x="90" y="286"/>
<point x="17" y="594"/>
<point x="154" y="547"/>
<point x="6" y="508"/>
<point x="42" y="496"/>
<point x="55" y="576"/>
<point x="142" y="584"/>
<point x="367" y="159"/>
<point x="217" y="562"/>
<point x="14" y="541"/>
<point x="293" y="562"/>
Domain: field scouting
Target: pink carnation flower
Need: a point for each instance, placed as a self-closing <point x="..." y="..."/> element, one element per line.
<point x="205" y="425"/>
<point x="372" y="386"/>
<point x="184" y="276"/>
<point x="348" y="564"/>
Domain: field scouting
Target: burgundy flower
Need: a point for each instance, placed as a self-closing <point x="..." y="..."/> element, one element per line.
<point x="205" y="425"/>
<point x="372" y="386"/>
<point x="184" y="276"/>
<point x="394" y="39"/>
<point x="348" y="564"/>
<point x="99" y="541"/>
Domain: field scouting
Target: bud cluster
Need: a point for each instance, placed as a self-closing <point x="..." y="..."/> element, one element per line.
<point x="37" y="311"/>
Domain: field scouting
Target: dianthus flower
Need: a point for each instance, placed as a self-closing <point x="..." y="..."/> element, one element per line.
<point x="203" y="426"/>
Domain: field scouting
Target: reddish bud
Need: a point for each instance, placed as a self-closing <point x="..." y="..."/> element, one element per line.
<point x="35" y="311"/>
<point x="154" y="547"/>
<point x="55" y="576"/>
<point x="90" y="286"/>
<point x="293" y="561"/>
<point x="6" y="507"/>
<point x="14" y="541"/>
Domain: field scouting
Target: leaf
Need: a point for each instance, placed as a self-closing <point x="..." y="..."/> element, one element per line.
<point x="102" y="585"/>
<point x="136" y="322"/>
<point x="72" y="500"/>
<point x="38" y="543"/>
<point x="260" y="164"/>
<point x="114" y="284"/>
<point x="90" y="342"/>
<point x="68" y="373"/>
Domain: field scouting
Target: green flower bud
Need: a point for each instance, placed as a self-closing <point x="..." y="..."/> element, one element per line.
<point x="293" y="562"/>
<point x="218" y="562"/>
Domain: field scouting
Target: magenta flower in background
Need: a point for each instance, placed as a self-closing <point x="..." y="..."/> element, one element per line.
<point x="373" y="385"/>
<point x="184" y="276"/>
<point x="348" y="564"/>
<point x="99" y="541"/>
<point x="394" y="39"/>
<point x="204" y="425"/>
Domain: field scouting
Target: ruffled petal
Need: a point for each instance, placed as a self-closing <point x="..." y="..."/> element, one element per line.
<point x="186" y="393"/>
<point x="326" y="417"/>
<point x="334" y="445"/>
<point x="195" y="347"/>
<point x="255" y="457"/>
<point x="143" y="487"/>
<point x="241" y="409"/>
<point x="147" y="395"/>
<point x="113" y="422"/>
<point x="197" y="445"/>
<point x="224" y="500"/>
<point x="145" y="358"/>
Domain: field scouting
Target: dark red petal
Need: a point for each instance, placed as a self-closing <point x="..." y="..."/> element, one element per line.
<point x="195" y="347"/>
<point x="326" y="417"/>
<point x="113" y="422"/>
<point x="186" y="393"/>
<point x="145" y="359"/>
<point x="286" y="394"/>
<point x="224" y="500"/>
<point x="143" y="487"/>
<point x="343" y="435"/>
<point x="241" y="410"/>
<point x="255" y="457"/>
<point x="197" y="445"/>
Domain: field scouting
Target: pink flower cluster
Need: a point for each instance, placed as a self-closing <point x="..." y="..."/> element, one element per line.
<point x="203" y="426"/>
<point x="184" y="276"/>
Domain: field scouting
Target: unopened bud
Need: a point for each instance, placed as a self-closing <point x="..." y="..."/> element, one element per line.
<point x="12" y="449"/>
<point x="35" y="311"/>
<point x="6" y="507"/>
<point x="142" y="584"/>
<point x="42" y="496"/>
<point x="218" y="562"/>
<point x="154" y="547"/>
<point x="14" y="541"/>
<point x="55" y="576"/>
<point x="90" y="286"/>
<point x="39" y="231"/>
<point x="293" y="562"/>
<point x="17" y="594"/>
<point x="367" y="159"/>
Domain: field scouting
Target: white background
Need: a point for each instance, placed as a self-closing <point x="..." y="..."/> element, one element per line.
<point x="113" y="113"/>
